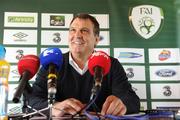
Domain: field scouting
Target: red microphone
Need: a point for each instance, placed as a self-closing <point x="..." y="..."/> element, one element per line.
<point x="99" y="64"/>
<point x="27" y="67"/>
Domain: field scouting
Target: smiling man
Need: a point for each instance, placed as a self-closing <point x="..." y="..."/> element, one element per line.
<point x="74" y="82"/>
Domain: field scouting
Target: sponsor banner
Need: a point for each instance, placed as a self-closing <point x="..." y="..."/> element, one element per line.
<point x="135" y="72"/>
<point x="63" y="50"/>
<point x="20" y="19"/>
<point x="103" y="20"/>
<point x="104" y="38"/>
<point x="164" y="55"/>
<point x="140" y="90"/>
<point x="14" y="54"/>
<point x="155" y="105"/>
<point x="12" y="89"/>
<point x="143" y="105"/>
<point x="165" y="72"/>
<point x="106" y="50"/>
<point x="165" y="91"/>
<point x="60" y="37"/>
<point x="53" y="20"/>
<point x="129" y="55"/>
<point x="20" y="37"/>
<point x="146" y="20"/>
<point x="14" y="74"/>
<point x="54" y="37"/>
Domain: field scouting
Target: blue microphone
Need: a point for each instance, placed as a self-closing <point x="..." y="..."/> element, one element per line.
<point x="51" y="59"/>
<point x="2" y="52"/>
<point x="51" y="56"/>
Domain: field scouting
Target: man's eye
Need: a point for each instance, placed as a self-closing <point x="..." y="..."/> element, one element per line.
<point x="84" y="31"/>
<point x="71" y="30"/>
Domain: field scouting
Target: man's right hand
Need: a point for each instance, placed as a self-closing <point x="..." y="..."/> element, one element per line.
<point x="68" y="106"/>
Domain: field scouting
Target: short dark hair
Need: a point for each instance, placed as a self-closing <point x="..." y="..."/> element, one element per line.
<point x="91" y="18"/>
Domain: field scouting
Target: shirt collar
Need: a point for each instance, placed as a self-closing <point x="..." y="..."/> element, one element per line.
<point x="76" y="67"/>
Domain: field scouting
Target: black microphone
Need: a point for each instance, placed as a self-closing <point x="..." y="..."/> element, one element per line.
<point x="99" y="65"/>
<point x="52" y="79"/>
<point x="51" y="59"/>
<point x="27" y="68"/>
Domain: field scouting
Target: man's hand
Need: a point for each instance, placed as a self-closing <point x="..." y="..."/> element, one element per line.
<point x="113" y="106"/>
<point x="68" y="106"/>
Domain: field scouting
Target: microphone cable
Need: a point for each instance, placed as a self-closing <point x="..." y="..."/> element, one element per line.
<point x="85" y="111"/>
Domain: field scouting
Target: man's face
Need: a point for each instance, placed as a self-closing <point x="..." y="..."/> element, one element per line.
<point x="81" y="37"/>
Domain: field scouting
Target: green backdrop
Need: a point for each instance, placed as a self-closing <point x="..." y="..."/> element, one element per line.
<point x="121" y="33"/>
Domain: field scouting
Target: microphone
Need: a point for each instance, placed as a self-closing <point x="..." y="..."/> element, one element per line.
<point x="99" y="64"/>
<point x="51" y="59"/>
<point x="2" y="52"/>
<point x="28" y="65"/>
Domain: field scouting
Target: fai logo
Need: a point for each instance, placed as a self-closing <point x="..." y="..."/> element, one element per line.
<point x="146" y="20"/>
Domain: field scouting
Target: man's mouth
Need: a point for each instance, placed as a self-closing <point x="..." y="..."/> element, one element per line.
<point x="78" y="42"/>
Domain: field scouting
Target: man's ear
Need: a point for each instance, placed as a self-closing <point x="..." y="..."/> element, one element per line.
<point x="97" y="40"/>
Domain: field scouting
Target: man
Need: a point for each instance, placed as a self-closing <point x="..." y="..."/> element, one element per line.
<point x="75" y="82"/>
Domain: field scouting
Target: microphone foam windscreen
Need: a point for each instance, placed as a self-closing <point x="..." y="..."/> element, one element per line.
<point x="101" y="59"/>
<point x="51" y="55"/>
<point x="30" y="63"/>
<point x="2" y="52"/>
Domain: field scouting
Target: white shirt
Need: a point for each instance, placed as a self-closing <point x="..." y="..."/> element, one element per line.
<point x="76" y="67"/>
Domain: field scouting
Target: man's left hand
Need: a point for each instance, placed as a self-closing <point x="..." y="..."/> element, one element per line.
<point x="113" y="106"/>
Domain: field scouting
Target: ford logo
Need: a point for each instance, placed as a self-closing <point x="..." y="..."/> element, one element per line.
<point x="165" y="73"/>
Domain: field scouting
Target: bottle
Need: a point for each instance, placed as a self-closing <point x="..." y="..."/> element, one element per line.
<point x="4" y="73"/>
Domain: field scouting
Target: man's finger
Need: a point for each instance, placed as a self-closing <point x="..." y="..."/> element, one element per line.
<point x="106" y="105"/>
<point x="113" y="106"/>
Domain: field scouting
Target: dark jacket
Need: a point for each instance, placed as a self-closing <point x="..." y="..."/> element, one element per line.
<point x="70" y="84"/>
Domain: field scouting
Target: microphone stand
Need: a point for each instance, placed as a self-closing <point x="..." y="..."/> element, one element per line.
<point x="94" y="91"/>
<point x="25" y="113"/>
<point x="51" y="85"/>
<point x="51" y="99"/>
<point x="51" y="82"/>
<point x="28" y="90"/>
<point x="98" y="76"/>
<point x="25" y="102"/>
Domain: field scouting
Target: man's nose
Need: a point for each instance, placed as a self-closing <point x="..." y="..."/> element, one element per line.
<point x="78" y="33"/>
